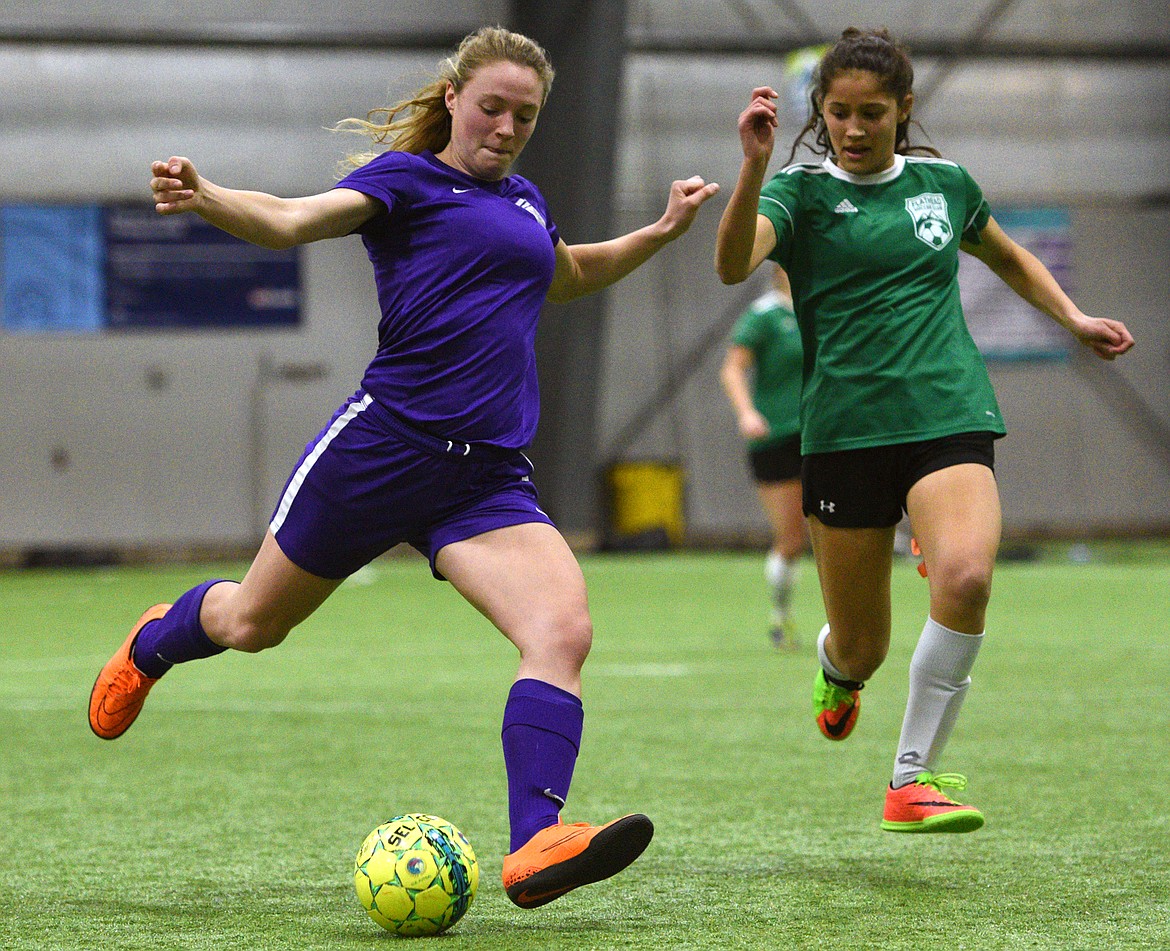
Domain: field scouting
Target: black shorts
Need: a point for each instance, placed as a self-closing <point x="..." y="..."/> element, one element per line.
<point x="867" y="488"/>
<point x="777" y="461"/>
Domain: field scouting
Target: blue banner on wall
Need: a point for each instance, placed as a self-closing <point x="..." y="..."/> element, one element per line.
<point x="51" y="269"/>
<point x="88" y="268"/>
<point x="178" y="271"/>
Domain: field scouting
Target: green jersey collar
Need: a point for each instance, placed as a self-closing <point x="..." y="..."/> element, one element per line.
<point x="877" y="178"/>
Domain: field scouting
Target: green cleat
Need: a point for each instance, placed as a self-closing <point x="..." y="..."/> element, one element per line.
<point x="836" y="708"/>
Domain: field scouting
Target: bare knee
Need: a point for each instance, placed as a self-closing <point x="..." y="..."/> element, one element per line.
<point x="562" y="641"/>
<point x="573" y="638"/>
<point x="962" y="587"/>
<point x="230" y="622"/>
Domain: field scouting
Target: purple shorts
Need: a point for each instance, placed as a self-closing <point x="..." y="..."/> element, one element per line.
<point x="368" y="481"/>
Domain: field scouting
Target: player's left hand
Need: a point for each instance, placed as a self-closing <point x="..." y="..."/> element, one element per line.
<point x="683" y="204"/>
<point x="1107" y="338"/>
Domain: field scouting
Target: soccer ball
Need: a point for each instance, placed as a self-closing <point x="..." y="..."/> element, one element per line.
<point x="416" y="875"/>
<point x="935" y="232"/>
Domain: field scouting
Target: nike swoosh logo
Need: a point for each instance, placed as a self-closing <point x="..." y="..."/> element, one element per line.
<point x="562" y="840"/>
<point x="526" y="897"/>
<point x="110" y="708"/>
<point x="836" y="729"/>
<point x="113" y="710"/>
<point x="109" y="717"/>
<point x="460" y="191"/>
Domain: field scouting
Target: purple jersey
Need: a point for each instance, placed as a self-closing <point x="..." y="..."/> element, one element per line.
<point x="462" y="267"/>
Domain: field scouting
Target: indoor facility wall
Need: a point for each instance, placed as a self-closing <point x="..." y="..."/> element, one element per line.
<point x="168" y="438"/>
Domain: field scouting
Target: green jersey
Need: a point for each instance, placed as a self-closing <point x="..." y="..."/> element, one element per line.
<point x="769" y="330"/>
<point x="874" y="261"/>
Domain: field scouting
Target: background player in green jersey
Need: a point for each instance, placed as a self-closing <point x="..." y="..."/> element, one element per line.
<point x="761" y="375"/>
<point x="897" y="409"/>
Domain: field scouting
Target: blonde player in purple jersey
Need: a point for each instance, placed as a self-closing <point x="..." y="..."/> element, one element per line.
<point x="898" y="413"/>
<point x="429" y="450"/>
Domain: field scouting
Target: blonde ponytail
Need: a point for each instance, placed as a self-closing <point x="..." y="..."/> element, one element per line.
<point x="422" y="122"/>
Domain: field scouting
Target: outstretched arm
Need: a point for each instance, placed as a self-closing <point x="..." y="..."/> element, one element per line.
<point x="584" y="268"/>
<point x="258" y="217"/>
<point x="746" y="237"/>
<point x="1025" y="274"/>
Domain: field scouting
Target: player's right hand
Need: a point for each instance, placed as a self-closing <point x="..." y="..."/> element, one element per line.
<point x="175" y="185"/>
<point x="757" y="124"/>
<point x="753" y="425"/>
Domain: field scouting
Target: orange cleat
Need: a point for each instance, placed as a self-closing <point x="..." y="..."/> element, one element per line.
<point x="916" y="551"/>
<point x="121" y="688"/>
<point x="922" y="806"/>
<point x="563" y="857"/>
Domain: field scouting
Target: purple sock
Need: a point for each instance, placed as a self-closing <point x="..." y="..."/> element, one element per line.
<point x="542" y="735"/>
<point x="176" y="637"/>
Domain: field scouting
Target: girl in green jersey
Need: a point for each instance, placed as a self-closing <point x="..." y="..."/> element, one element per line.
<point x="761" y="374"/>
<point x="897" y="409"/>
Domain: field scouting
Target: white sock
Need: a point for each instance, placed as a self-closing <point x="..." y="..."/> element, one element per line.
<point x="939" y="678"/>
<point x="827" y="665"/>
<point x="780" y="573"/>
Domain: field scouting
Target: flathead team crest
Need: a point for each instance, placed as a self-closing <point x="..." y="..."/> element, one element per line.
<point x="932" y="224"/>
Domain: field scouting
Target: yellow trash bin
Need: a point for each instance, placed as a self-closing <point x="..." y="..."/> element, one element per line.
<point x="646" y="504"/>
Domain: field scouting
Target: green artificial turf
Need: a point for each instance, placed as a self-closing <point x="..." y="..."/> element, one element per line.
<point x="229" y="815"/>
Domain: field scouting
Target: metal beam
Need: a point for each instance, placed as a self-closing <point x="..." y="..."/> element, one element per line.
<point x="992" y="49"/>
<point x="684" y="369"/>
<point x="963" y="47"/>
<point x="321" y="37"/>
<point x="572" y="158"/>
<point x="812" y="33"/>
<point x="237" y="35"/>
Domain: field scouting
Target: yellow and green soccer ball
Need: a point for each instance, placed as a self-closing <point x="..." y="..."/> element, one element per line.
<point x="416" y="875"/>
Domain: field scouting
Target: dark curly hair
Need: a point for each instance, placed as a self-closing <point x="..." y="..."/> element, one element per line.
<point x="873" y="51"/>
